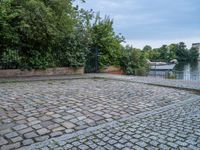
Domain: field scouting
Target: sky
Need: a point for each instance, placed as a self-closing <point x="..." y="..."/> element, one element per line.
<point x="152" y="22"/>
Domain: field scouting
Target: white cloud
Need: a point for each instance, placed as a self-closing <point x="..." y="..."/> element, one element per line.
<point x="153" y="22"/>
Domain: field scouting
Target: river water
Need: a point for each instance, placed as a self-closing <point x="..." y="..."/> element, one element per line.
<point x="188" y="71"/>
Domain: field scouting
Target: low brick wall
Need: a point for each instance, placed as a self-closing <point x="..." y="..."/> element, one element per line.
<point x="47" y="72"/>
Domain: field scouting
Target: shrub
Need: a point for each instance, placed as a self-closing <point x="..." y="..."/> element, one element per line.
<point x="133" y="61"/>
<point x="10" y="59"/>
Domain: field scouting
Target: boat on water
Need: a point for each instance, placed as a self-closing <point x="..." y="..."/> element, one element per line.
<point x="162" y="66"/>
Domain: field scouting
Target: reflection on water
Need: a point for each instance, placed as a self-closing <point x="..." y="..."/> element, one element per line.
<point x="188" y="71"/>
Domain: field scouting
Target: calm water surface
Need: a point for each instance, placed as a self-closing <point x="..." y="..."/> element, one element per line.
<point x="188" y="71"/>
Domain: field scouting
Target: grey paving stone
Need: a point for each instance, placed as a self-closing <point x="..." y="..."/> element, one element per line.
<point x="27" y="142"/>
<point x="129" y="144"/>
<point x="37" y="126"/>
<point x="112" y="141"/>
<point x="56" y="110"/>
<point x="181" y="143"/>
<point x="138" y="148"/>
<point x="76" y="143"/>
<point x="20" y="127"/>
<point x="30" y="135"/>
<point x="5" y="131"/>
<point x="173" y="145"/>
<point x="43" y="131"/>
<point x="68" y="125"/>
<point x="16" y="139"/>
<point x="67" y="146"/>
<point x="141" y="144"/>
<point x="3" y="141"/>
<point x="11" y="135"/>
<point x="83" y="147"/>
<point x="55" y="134"/>
<point x="41" y="138"/>
<point x="164" y="147"/>
<point x="118" y="145"/>
<point x="11" y="146"/>
<point x="26" y="130"/>
<point x="58" y="129"/>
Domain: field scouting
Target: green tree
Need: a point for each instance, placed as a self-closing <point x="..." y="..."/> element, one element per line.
<point x="106" y="41"/>
<point x="172" y="51"/>
<point x="41" y="31"/>
<point x="182" y="53"/>
<point x="194" y="54"/>
<point x="8" y="35"/>
<point x="163" y="51"/>
<point x="133" y="61"/>
<point x="147" y="48"/>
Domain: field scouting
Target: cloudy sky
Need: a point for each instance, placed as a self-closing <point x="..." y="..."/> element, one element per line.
<point x="152" y="22"/>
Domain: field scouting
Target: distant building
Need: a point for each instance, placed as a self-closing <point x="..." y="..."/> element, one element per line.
<point x="197" y="45"/>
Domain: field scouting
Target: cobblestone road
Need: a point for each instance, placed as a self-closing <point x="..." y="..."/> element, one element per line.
<point x="32" y="112"/>
<point x="177" y="127"/>
<point x="190" y="84"/>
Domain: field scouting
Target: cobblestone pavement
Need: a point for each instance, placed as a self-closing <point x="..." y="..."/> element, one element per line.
<point x="148" y="80"/>
<point x="33" y="112"/>
<point x="152" y="80"/>
<point x="174" y="127"/>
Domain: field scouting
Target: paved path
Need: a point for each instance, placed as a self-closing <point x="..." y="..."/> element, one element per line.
<point x="153" y="80"/>
<point x="173" y="127"/>
<point x="148" y="80"/>
<point x="32" y="112"/>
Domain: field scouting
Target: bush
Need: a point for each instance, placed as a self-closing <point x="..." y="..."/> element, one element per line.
<point x="44" y="33"/>
<point x="38" y="61"/>
<point x="133" y="62"/>
<point x="10" y="59"/>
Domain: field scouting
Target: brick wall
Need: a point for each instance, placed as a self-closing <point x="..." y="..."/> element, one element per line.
<point x="47" y="72"/>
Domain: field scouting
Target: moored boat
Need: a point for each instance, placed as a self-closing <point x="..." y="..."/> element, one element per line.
<point x="162" y="65"/>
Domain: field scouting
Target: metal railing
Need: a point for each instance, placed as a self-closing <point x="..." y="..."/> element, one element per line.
<point x="180" y="75"/>
<point x="169" y="74"/>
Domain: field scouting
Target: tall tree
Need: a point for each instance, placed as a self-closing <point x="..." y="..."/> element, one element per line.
<point x="172" y="51"/>
<point x="194" y="54"/>
<point x="147" y="48"/>
<point x="39" y="32"/>
<point x="182" y="53"/>
<point x="106" y="41"/>
<point x="133" y="61"/>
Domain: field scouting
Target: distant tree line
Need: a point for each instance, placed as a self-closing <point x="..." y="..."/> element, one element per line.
<point x="173" y="51"/>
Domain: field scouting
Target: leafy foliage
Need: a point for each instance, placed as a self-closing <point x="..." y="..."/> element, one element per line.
<point x="38" y="30"/>
<point x="173" y="51"/>
<point x="10" y="59"/>
<point x="182" y="52"/>
<point x="133" y="61"/>
<point x="106" y="41"/>
<point x="194" y="54"/>
<point x="147" y="48"/>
